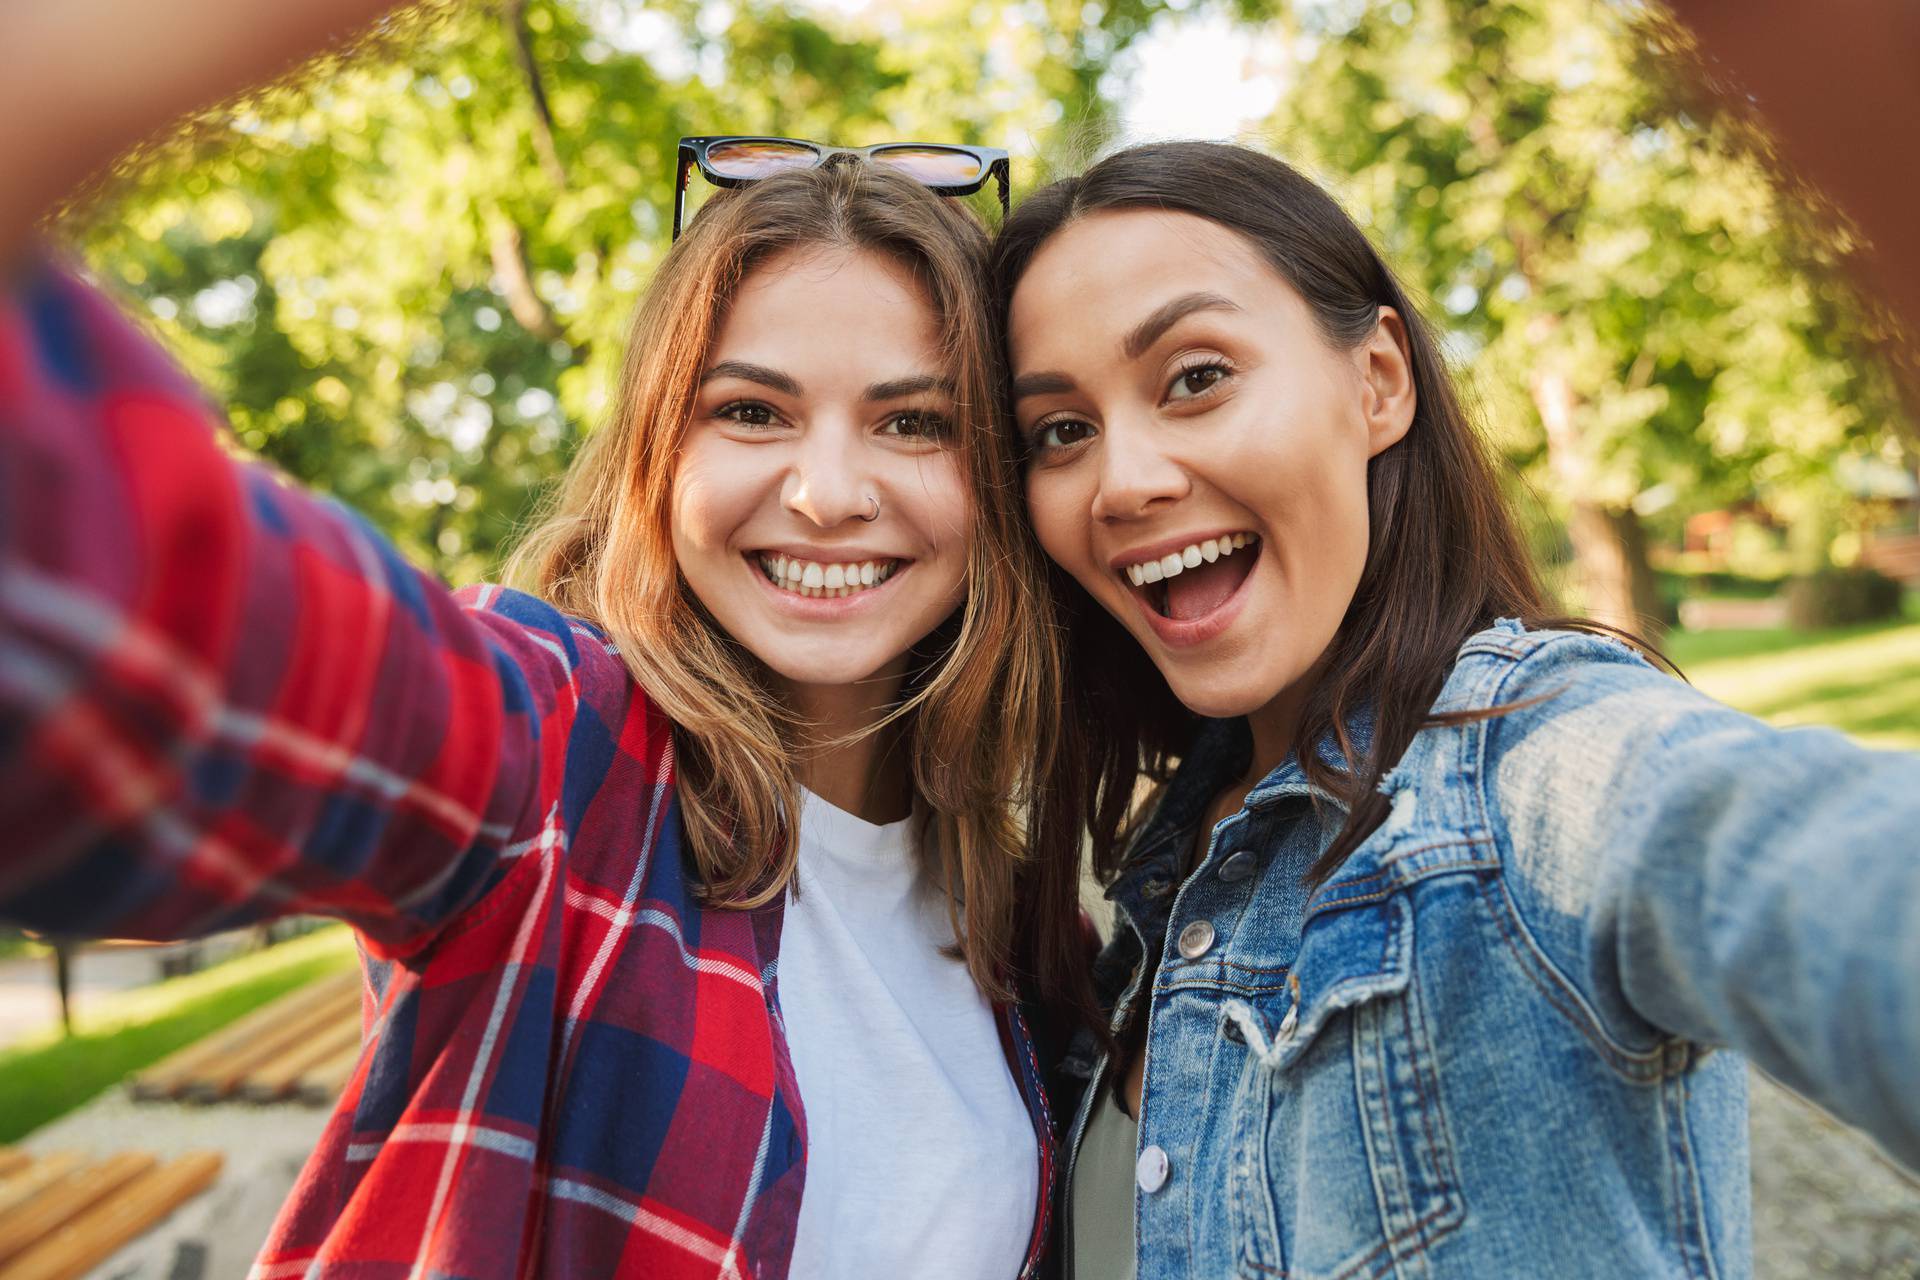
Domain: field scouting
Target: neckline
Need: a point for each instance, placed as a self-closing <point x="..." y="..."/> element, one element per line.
<point x="849" y="837"/>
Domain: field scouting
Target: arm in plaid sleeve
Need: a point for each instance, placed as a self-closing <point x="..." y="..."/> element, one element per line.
<point x="221" y="698"/>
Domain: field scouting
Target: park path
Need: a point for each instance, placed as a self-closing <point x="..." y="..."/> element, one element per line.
<point x="29" y="1004"/>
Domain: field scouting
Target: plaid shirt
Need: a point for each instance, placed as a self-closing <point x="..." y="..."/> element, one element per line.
<point x="222" y="699"/>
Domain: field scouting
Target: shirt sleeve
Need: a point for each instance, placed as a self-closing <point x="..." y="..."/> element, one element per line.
<point x="222" y="698"/>
<point x="1697" y="874"/>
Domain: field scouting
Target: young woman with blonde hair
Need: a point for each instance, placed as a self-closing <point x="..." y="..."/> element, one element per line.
<point x="692" y="898"/>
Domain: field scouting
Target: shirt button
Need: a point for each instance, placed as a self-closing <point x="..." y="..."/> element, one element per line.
<point x="1151" y="1169"/>
<point x="1237" y="867"/>
<point x="1195" y="939"/>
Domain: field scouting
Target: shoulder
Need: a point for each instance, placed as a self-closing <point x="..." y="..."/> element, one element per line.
<point x="547" y="649"/>
<point x="1509" y="662"/>
<point x="1562" y="700"/>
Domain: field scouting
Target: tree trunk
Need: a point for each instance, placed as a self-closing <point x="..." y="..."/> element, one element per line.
<point x="1613" y="575"/>
<point x="63" y="980"/>
<point x="1616" y="579"/>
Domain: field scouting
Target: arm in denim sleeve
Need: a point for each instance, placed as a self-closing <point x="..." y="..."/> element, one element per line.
<point x="221" y="698"/>
<point x="1695" y="873"/>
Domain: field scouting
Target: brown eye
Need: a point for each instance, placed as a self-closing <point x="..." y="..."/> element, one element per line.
<point x="1197" y="381"/>
<point x="919" y="425"/>
<point x="748" y="413"/>
<point x="1060" y="433"/>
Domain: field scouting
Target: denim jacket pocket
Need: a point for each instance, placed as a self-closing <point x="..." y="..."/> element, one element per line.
<point x="1339" y="1108"/>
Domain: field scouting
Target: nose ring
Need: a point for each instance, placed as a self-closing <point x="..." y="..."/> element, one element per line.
<point x="875" y="504"/>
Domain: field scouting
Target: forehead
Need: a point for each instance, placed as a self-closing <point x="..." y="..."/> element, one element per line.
<point x="826" y="309"/>
<point x="1106" y="270"/>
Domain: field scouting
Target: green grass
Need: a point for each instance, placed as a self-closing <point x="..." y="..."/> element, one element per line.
<point x="1865" y="680"/>
<point x="118" y="1035"/>
<point x="1694" y="648"/>
<point x="14" y="943"/>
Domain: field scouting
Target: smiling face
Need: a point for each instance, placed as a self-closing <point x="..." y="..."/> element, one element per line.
<point x="824" y="399"/>
<point x="1199" y="450"/>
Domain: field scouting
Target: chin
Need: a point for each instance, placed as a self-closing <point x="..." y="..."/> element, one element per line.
<point x="820" y="670"/>
<point x="1222" y="699"/>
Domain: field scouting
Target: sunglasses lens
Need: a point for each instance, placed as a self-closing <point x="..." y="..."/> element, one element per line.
<point x="758" y="157"/>
<point x="935" y="166"/>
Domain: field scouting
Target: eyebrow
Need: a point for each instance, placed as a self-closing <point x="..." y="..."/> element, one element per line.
<point x="749" y="372"/>
<point x="1149" y="331"/>
<point x="900" y="388"/>
<point x="892" y="389"/>
<point x="1134" y="345"/>
<point x="1041" y="384"/>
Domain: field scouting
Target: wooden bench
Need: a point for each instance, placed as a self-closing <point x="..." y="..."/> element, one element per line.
<point x="62" y="1215"/>
<point x="302" y="1047"/>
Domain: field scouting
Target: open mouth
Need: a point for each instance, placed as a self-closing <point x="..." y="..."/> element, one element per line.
<point x="822" y="580"/>
<point x="1194" y="581"/>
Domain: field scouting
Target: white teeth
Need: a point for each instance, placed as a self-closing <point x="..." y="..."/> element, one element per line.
<point x="824" y="581"/>
<point x="1188" y="557"/>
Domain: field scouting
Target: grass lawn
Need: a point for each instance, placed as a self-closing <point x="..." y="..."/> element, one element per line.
<point x="49" y="1075"/>
<point x="1865" y="680"/>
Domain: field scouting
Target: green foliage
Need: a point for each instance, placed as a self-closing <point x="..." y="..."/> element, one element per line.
<point x="1593" y="247"/>
<point x="409" y="278"/>
<point x="44" y="1078"/>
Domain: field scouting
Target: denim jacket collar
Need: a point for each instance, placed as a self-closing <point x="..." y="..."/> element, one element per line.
<point x="1156" y="861"/>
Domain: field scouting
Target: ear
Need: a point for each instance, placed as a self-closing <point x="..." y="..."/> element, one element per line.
<point x="1386" y="375"/>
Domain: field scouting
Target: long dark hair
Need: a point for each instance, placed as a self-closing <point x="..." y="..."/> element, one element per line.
<point x="1444" y="556"/>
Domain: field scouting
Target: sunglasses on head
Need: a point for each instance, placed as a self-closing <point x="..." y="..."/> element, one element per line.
<point x="729" y="161"/>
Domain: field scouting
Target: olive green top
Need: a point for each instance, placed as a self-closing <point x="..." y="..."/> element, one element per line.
<point x="1103" y="1187"/>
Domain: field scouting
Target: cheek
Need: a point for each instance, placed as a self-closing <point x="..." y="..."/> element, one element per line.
<point x="709" y="502"/>
<point x="943" y="503"/>
<point x="1057" y="516"/>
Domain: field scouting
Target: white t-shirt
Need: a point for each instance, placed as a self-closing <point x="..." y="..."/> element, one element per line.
<point x="921" y="1158"/>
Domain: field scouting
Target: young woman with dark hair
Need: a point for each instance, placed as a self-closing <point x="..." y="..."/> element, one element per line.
<point x="1430" y="940"/>
<point x="689" y="881"/>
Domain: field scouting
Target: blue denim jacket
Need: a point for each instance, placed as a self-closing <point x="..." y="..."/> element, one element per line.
<point x="1486" y="1047"/>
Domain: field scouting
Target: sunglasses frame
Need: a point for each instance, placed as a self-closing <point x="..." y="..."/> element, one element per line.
<point x="994" y="164"/>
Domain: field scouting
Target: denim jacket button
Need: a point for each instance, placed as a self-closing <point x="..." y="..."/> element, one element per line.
<point x="1195" y="939"/>
<point x="1151" y="1169"/>
<point x="1238" y="866"/>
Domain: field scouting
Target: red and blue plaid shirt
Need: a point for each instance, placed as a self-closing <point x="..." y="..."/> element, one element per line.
<point x="222" y="699"/>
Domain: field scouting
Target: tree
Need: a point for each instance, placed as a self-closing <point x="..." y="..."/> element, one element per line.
<point x="1656" y="326"/>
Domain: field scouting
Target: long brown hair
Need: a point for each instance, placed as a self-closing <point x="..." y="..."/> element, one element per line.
<point x="978" y="715"/>
<point x="1444" y="557"/>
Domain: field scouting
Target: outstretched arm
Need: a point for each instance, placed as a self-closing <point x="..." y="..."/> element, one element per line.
<point x="1698" y="874"/>
<point x="222" y="698"/>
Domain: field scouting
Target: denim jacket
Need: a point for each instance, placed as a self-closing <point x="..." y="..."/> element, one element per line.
<point x="1492" y="1043"/>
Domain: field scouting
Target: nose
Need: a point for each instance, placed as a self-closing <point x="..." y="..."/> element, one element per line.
<point x="1137" y="475"/>
<point x="828" y="483"/>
